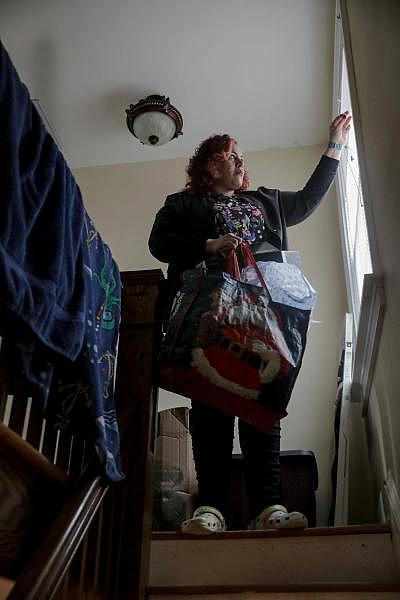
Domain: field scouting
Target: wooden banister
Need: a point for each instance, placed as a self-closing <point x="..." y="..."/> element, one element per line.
<point x="6" y="586"/>
<point x="31" y="491"/>
<point x="49" y="563"/>
<point x="118" y="549"/>
<point x="17" y="451"/>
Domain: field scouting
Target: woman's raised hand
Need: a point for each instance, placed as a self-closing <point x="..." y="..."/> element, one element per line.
<point x="224" y="243"/>
<point x="338" y="132"/>
<point x="340" y="128"/>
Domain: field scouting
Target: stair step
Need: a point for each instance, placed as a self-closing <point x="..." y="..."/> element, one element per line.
<point x="373" y="528"/>
<point x="288" y="592"/>
<point x="355" y="554"/>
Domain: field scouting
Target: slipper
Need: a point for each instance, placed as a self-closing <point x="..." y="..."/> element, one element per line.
<point x="278" y="517"/>
<point x="205" y="520"/>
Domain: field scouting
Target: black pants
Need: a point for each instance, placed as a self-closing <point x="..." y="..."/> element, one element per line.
<point x="212" y="437"/>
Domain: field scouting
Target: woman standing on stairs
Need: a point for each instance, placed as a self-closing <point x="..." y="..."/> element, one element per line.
<point x="204" y="222"/>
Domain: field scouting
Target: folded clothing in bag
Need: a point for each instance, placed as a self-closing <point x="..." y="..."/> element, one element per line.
<point x="286" y="283"/>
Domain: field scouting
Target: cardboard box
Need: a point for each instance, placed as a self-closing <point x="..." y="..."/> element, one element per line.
<point x="174" y="455"/>
<point x="175" y="483"/>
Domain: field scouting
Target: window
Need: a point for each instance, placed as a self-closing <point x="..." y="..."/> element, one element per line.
<point x="365" y="288"/>
<point x="354" y="226"/>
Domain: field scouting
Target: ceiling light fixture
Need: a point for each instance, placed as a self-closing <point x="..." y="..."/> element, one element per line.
<point x="154" y="121"/>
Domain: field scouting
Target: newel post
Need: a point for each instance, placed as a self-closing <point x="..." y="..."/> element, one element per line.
<point x="137" y="410"/>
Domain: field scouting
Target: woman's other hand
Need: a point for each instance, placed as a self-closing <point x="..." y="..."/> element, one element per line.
<point x="338" y="133"/>
<point x="224" y="243"/>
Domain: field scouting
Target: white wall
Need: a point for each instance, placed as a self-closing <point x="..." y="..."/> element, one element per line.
<point x="123" y="200"/>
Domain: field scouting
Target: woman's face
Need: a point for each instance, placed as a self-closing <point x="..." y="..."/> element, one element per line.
<point x="229" y="173"/>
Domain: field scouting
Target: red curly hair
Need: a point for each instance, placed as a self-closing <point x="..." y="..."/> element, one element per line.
<point x="202" y="165"/>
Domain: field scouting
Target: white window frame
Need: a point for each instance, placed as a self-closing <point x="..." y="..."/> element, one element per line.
<point x="368" y="311"/>
<point x="354" y="297"/>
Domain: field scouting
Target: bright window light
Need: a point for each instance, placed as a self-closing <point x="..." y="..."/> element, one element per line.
<point x="355" y="234"/>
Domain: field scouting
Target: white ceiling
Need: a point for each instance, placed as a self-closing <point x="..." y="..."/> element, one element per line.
<point x="260" y="70"/>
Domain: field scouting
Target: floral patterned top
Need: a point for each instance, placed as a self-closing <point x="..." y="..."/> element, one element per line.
<point x="240" y="217"/>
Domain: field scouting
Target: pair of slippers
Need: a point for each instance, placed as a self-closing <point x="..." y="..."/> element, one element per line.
<point x="207" y="519"/>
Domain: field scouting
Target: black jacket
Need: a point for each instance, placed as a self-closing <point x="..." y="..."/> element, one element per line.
<point x="187" y="220"/>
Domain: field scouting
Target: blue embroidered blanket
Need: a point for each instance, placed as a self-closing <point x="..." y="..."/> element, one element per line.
<point x="59" y="285"/>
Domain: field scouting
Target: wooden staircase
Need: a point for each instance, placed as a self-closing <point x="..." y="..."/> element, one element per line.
<point x="312" y="592"/>
<point x="321" y="563"/>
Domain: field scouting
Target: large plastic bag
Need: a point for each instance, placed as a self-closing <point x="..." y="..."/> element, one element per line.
<point x="230" y="345"/>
